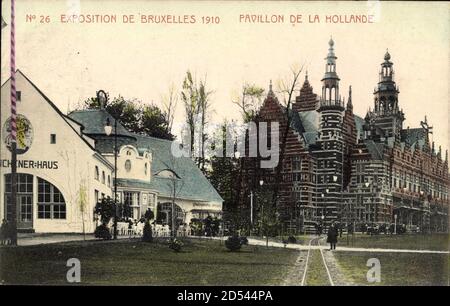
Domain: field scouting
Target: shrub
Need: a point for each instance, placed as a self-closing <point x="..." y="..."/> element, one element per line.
<point x="233" y="243"/>
<point x="175" y="244"/>
<point x="147" y="235"/>
<point x="102" y="232"/>
<point x="292" y="239"/>
<point x="244" y="240"/>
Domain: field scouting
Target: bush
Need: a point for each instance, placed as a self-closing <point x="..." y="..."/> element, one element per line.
<point x="175" y="244"/>
<point x="233" y="243"/>
<point x="147" y="235"/>
<point x="244" y="240"/>
<point x="102" y="232"/>
<point x="292" y="239"/>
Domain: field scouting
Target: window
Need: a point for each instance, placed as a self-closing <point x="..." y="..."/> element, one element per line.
<point x="128" y="165"/>
<point x="52" y="138"/>
<point x="18" y="95"/>
<point x="25" y="195"/>
<point x="296" y="163"/>
<point x="109" y="180"/>
<point x="97" y="174"/>
<point x="146" y="168"/>
<point x="103" y="177"/>
<point x="51" y="203"/>
<point x="96" y="196"/>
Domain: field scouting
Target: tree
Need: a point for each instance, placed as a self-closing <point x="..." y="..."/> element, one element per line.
<point x="224" y="173"/>
<point x="135" y="116"/>
<point x="268" y="220"/>
<point x="82" y="202"/>
<point x="204" y="108"/>
<point x="170" y="103"/>
<point x="250" y="101"/>
<point x="197" y="106"/>
<point x="287" y="89"/>
<point x="189" y="96"/>
<point x="154" y="123"/>
<point x="106" y="209"/>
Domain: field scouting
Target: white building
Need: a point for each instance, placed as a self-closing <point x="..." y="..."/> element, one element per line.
<point x="65" y="159"/>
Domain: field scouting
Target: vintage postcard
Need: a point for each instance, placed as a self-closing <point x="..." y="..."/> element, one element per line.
<point x="224" y="143"/>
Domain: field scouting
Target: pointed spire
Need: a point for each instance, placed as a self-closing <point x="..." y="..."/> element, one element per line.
<point x="270" y="93"/>
<point x="446" y="156"/>
<point x="432" y="147"/>
<point x="439" y="152"/>
<point x="349" y="102"/>
<point x="306" y="75"/>
<point x="387" y="56"/>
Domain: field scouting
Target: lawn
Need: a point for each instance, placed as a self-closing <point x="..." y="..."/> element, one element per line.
<point x="435" y="242"/>
<point x="407" y="269"/>
<point x="202" y="262"/>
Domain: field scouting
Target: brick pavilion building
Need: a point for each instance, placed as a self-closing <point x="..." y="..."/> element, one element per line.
<point x="340" y="167"/>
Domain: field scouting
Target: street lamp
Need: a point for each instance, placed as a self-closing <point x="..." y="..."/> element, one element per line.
<point x="261" y="182"/>
<point x="395" y="224"/>
<point x="102" y="99"/>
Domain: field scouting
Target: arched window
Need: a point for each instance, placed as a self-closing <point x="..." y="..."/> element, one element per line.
<point x="51" y="203"/>
<point x="103" y="177"/>
<point x="97" y="173"/>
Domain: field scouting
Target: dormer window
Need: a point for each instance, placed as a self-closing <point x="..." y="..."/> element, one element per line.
<point x="167" y="173"/>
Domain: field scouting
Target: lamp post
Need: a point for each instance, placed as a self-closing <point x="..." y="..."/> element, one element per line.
<point x="102" y="99"/>
<point x="367" y="184"/>
<point x="261" y="182"/>
<point x="395" y="224"/>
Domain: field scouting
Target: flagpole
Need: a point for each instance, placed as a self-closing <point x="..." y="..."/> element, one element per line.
<point x="13" y="130"/>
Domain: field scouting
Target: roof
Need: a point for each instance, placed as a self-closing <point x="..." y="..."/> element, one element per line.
<point x="193" y="185"/>
<point x="411" y="136"/>
<point x="133" y="183"/>
<point x="359" y="123"/>
<point x="296" y="122"/>
<point x="310" y="121"/>
<point x="375" y="149"/>
<point x="94" y="120"/>
<point x="55" y="108"/>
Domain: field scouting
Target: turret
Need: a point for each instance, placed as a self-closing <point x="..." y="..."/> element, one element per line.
<point x="330" y="82"/>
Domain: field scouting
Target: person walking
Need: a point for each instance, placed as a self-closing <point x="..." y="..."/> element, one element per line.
<point x="332" y="236"/>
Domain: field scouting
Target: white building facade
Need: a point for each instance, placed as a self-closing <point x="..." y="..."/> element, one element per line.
<point x="59" y="171"/>
<point x="66" y="165"/>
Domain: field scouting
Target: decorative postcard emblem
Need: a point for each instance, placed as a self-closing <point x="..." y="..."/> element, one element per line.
<point x="24" y="134"/>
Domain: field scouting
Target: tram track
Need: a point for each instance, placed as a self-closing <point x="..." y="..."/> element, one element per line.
<point x="315" y="242"/>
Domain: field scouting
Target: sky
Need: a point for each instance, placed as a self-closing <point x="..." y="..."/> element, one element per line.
<point x="69" y="62"/>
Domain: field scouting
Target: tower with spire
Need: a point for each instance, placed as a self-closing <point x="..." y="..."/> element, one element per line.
<point x="386" y="118"/>
<point x="330" y="156"/>
<point x="330" y="81"/>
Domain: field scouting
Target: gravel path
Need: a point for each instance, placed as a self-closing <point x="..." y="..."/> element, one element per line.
<point x="295" y="276"/>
